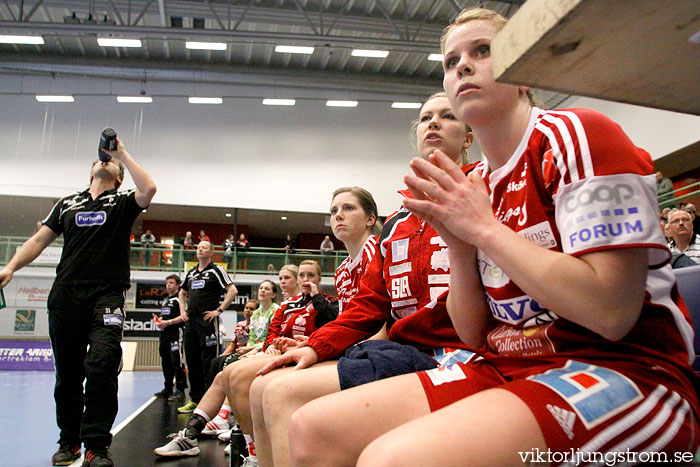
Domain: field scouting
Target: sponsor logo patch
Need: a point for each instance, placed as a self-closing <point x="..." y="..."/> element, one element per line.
<point x="399" y="250"/>
<point x="438" y="278"/>
<point x="565" y="419"/>
<point x="400" y="268"/>
<point x="87" y="219"/>
<point x="540" y="234"/>
<point x="112" y="319"/>
<point x="165" y="311"/>
<point x="445" y="374"/>
<point x="435" y="292"/>
<point x="440" y="260"/>
<point x="199" y="284"/>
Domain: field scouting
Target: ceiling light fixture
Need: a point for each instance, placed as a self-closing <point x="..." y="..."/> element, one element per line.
<point x="279" y="101"/>
<point x="38" y="40"/>
<point x="284" y="218"/>
<point x="436" y="57"/>
<point x="228" y="214"/>
<point x="341" y="103"/>
<point x="293" y="49"/>
<point x="206" y="45"/>
<point x="406" y="105"/>
<point x="134" y="99"/>
<point x="205" y="100"/>
<point x="55" y="98"/>
<point x="112" y="42"/>
<point x="369" y="53"/>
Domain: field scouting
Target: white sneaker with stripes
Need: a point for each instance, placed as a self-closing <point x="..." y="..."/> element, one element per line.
<point x="216" y="426"/>
<point x="180" y="445"/>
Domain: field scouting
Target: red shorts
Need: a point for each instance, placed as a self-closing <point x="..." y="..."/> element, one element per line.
<point x="585" y="409"/>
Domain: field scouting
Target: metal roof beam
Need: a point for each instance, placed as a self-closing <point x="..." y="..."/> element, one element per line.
<point x="159" y="33"/>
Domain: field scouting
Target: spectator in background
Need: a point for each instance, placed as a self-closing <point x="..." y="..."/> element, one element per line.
<point x="690" y="207"/>
<point x="271" y="268"/>
<point x="171" y="324"/>
<point x="289" y="245"/>
<point x="664" y="187"/>
<point x="683" y="239"/>
<point x="203" y="236"/>
<point x="242" y="244"/>
<point x="326" y="248"/>
<point x="188" y="246"/>
<point x="228" y="251"/>
<point x="147" y="242"/>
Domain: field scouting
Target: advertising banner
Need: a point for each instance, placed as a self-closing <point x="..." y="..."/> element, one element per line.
<point x="140" y="324"/>
<point x="150" y="295"/>
<point x="33" y="291"/>
<point x="26" y="355"/>
<point x="25" y="321"/>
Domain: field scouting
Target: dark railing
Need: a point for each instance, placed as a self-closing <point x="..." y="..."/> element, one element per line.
<point x="173" y="258"/>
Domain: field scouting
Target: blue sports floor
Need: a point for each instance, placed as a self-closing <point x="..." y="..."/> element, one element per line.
<point x="28" y="421"/>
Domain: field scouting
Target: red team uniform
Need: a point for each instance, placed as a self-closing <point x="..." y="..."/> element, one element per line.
<point x="576" y="184"/>
<point x="300" y="316"/>
<point x="349" y="273"/>
<point x="400" y="287"/>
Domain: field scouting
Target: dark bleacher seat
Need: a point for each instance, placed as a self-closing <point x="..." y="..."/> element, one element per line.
<point x="689" y="287"/>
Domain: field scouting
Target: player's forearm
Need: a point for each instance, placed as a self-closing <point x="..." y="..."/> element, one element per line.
<point x="30" y="250"/>
<point x="143" y="181"/>
<point x="466" y="301"/>
<point x="231" y="293"/>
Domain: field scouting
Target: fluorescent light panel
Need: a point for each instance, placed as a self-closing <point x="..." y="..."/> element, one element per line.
<point x="436" y="57"/>
<point x="279" y="101"/>
<point x="55" y="98"/>
<point x="369" y="53"/>
<point x="206" y="45"/>
<point x="341" y="103"/>
<point x="406" y="105"/>
<point x="134" y="99"/>
<point x="293" y="49"/>
<point x="21" y="40"/>
<point x="112" y="42"/>
<point x="206" y="100"/>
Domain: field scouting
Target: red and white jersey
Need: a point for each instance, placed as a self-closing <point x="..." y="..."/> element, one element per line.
<point x="576" y="184"/>
<point x="297" y="317"/>
<point x="404" y="287"/>
<point x="349" y="273"/>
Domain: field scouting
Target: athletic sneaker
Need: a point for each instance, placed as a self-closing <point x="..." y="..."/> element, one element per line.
<point x="66" y="454"/>
<point x="163" y="393"/>
<point x="249" y="462"/>
<point x="180" y="445"/>
<point x="188" y="408"/>
<point x="97" y="458"/>
<point x="177" y="396"/>
<point x="216" y="426"/>
<point x="226" y="435"/>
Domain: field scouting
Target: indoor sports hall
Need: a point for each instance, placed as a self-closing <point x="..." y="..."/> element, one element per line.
<point x="248" y="115"/>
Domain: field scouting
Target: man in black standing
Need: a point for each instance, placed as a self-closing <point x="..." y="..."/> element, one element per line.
<point x="171" y="324"/>
<point x="201" y="291"/>
<point x="86" y="302"/>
